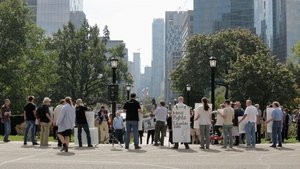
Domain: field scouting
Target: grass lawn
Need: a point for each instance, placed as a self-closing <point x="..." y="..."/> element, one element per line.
<point x="291" y="140"/>
<point x="21" y="138"/>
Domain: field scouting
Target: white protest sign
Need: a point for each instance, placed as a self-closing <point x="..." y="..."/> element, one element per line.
<point x="242" y="125"/>
<point x="269" y="116"/>
<point x="181" y="124"/>
<point x="149" y="124"/>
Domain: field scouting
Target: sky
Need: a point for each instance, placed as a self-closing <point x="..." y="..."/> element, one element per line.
<point x="131" y="20"/>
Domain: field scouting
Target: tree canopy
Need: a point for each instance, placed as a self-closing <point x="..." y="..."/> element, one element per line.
<point x="239" y="54"/>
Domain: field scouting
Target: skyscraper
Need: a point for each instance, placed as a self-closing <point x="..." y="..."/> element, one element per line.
<point x="187" y="30"/>
<point x="292" y="23"/>
<point x="173" y="44"/>
<point x="51" y="15"/>
<point x="137" y="72"/>
<point x="158" y="55"/>
<point x="213" y="15"/>
<point x="270" y="24"/>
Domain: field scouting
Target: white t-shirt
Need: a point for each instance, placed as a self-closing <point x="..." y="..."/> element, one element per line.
<point x="205" y="116"/>
<point x="251" y="112"/>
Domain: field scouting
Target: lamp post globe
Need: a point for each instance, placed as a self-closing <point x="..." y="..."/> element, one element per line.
<point x="128" y="89"/>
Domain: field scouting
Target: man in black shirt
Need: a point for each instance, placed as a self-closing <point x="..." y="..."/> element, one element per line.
<point x="132" y="109"/>
<point x="81" y="122"/>
<point x="44" y="117"/>
<point x="29" y="118"/>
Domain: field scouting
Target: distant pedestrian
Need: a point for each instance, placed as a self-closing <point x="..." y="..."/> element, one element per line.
<point x="240" y="113"/>
<point x="6" y="113"/>
<point x="205" y="116"/>
<point x="151" y="133"/>
<point x="103" y="125"/>
<point x="81" y="123"/>
<point x="44" y="117"/>
<point x="132" y="109"/>
<point x="161" y="114"/>
<point x="57" y="111"/>
<point x="29" y="118"/>
<point x="66" y="123"/>
<point x="250" y="116"/>
<point x="118" y="126"/>
<point x="228" y="115"/>
<point x="258" y="124"/>
<point x="277" y="117"/>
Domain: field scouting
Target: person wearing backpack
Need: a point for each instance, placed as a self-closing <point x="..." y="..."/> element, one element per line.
<point x="44" y="117"/>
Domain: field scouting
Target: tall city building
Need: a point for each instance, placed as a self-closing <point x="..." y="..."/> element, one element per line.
<point x="137" y="72"/>
<point x="213" y="15"/>
<point x="270" y="24"/>
<point x="187" y="30"/>
<point x="173" y="48"/>
<point x="292" y="23"/>
<point x="52" y="15"/>
<point x="158" y="55"/>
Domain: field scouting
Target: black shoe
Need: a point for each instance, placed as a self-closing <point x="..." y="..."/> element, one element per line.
<point x="187" y="148"/>
<point x="80" y="145"/>
<point x="25" y="144"/>
<point x="126" y="147"/>
<point x="35" y="144"/>
<point x="90" y="145"/>
<point x="174" y="147"/>
<point x="137" y="147"/>
<point x="274" y="146"/>
<point x="279" y="145"/>
<point x="156" y="144"/>
<point x="6" y="141"/>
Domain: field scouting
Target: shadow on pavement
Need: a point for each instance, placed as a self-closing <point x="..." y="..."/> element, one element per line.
<point x="185" y="150"/>
<point x="261" y="149"/>
<point x="234" y="150"/>
<point x="84" y="148"/>
<point x="212" y="150"/>
<point x="65" y="154"/>
<point x="285" y="149"/>
<point x="137" y="151"/>
<point x="115" y="149"/>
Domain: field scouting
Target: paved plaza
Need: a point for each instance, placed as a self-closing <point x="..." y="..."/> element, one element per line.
<point x="15" y="156"/>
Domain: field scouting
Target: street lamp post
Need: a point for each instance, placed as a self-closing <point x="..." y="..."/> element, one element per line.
<point x="114" y="65"/>
<point x="188" y="89"/>
<point x="128" y="88"/>
<point x="213" y="65"/>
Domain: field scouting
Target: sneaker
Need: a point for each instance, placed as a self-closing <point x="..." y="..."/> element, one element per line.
<point x="174" y="147"/>
<point x="137" y="147"/>
<point x="126" y="147"/>
<point x="35" y="144"/>
<point x="90" y="146"/>
<point x="274" y="146"/>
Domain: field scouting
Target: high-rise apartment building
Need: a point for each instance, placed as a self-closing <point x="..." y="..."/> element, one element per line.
<point x="270" y="24"/>
<point x="137" y="72"/>
<point x="173" y="48"/>
<point x="292" y="24"/>
<point x="187" y="30"/>
<point x="158" y="56"/>
<point x="213" y="15"/>
<point x="52" y="15"/>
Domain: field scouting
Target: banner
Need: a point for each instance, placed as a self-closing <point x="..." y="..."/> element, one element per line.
<point x="181" y="124"/>
<point x="149" y="124"/>
<point x="269" y="116"/>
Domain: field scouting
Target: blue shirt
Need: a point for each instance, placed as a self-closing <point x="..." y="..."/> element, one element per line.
<point x="118" y="123"/>
<point x="277" y="114"/>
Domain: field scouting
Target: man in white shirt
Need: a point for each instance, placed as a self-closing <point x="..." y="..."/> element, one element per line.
<point x="161" y="114"/>
<point x="250" y="116"/>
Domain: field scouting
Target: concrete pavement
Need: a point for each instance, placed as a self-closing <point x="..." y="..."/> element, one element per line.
<point x="14" y="156"/>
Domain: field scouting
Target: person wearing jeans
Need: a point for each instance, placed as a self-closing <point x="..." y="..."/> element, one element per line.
<point x="161" y="114"/>
<point x="30" y="117"/>
<point x="81" y="123"/>
<point x="250" y="117"/>
<point x="6" y="113"/>
<point x="228" y="116"/>
<point x="204" y="115"/>
<point x="277" y="117"/>
<point x="132" y="109"/>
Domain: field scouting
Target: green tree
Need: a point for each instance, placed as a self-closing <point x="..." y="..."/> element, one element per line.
<point x="262" y="79"/>
<point x="226" y="46"/>
<point x="25" y="66"/>
<point x="296" y="49"/>
<point x="82" y="65"/>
